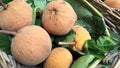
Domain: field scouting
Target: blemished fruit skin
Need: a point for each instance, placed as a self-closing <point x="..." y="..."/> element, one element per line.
<point x="59" y="58"/>
<point x="17" y="15"/>
<point x="58" y="17"/>
<point x="31" y="45"/>
<point x="82" y="35"/>
<point x="113" y="3"/>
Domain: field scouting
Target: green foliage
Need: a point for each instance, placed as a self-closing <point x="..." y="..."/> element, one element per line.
<point x="31" y="3"/>
<point x="38" y="7"/>
<point x="5" y="42"/>
<point x="100" y="46"/>
<point x="79" y="8"/>
<point x="66" y="38"/>
<point x="38" y="22"/>
<point x="114" y="35"/>
<point x="6" y="1"/>
<point x="87" y="8"/>
<point x="40" y="4"/>
<point x="95" y="25"/>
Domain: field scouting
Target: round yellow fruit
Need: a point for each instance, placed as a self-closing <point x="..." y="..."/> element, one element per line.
<point x="59" y="58"/>
<point x="82" y="35"/>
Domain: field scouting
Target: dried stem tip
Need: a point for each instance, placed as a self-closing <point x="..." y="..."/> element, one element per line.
<point x="66" y="43"/>
<point x="8" y="32"/>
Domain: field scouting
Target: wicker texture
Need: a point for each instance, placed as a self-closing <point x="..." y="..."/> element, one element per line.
<point x="7" y="61"/>
<point x="111" y="15"/>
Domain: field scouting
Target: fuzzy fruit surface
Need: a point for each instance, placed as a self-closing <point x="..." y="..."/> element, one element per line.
<point x="59" y="58"/>
<point x="31" y="45"/>
<point x="17" y="15"/>
<point x="82" y="35"/>
<point x="58" y="17"/>
<point x="113" y="3"/>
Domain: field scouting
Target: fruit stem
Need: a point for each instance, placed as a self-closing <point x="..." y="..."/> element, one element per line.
<point x="8" y="32"/>
<point x="54" y="11"/>
<point x="3" y="5"/>
<point x="66" y="43"/>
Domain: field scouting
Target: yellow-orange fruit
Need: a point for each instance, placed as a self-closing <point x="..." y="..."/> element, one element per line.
<point x="113" y="3"/>
<point x="82" y="35"/>
<point x="59" y="58"/>
<point x="17" y="15"/>
<point x="58" y="17"/>
<point x="31" y="45"/>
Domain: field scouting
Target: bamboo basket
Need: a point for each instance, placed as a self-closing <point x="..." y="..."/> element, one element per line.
<point x="112" y="19"/>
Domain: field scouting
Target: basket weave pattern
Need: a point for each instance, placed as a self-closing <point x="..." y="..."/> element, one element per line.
<point x="111" y="15"/>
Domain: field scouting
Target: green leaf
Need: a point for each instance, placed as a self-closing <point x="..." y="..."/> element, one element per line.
<point x="49" y="0"/>
<point x="38" y="22"/>
<point x="106" y="43"/>
<point x="41" y="4"/>
<point x="92" y="49"/>
<point x="114" y="35"/>
<point x="101" y="46"/>
<point x="6" y="1"/>
<point x="83" y="6"/>
<point x="52" y="37"/>
<point x="95" y="25"/>
<point x="79" y="8"/>
<point x="31" y="3"/>
<point x="91" y="8"/>
<point x="66" y="38"/>
<point x="5" y="42"/>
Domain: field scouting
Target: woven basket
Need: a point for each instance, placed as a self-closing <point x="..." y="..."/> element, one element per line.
<point x="7" y="61"/>
<point x="111" y="15"/>
<point x="112" y="19"/>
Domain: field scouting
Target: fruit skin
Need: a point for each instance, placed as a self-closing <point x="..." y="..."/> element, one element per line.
<point x="82" y="35"/>
<point x="58" y="17"/>
<point x="31" y="45"/>
<point x="113" y="3"/>
<point x="17" y="15"/>
<point x="59" y="58"/>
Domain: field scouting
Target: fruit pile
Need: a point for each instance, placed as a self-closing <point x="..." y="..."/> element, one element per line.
<point x="56" y="37"/>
